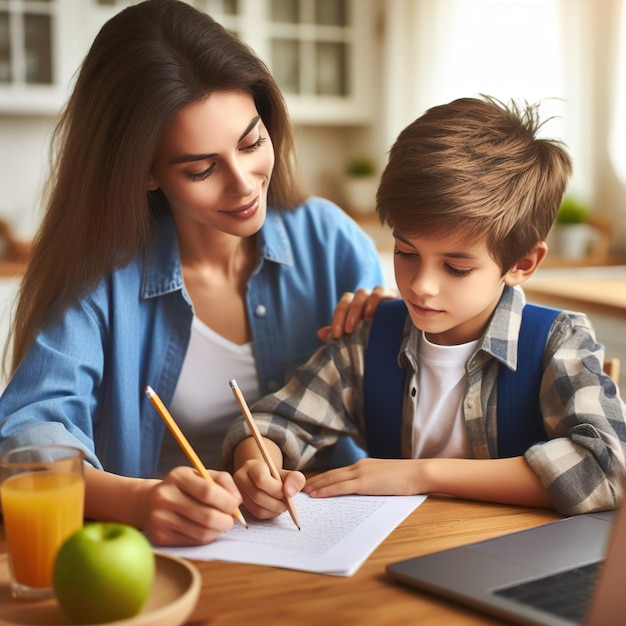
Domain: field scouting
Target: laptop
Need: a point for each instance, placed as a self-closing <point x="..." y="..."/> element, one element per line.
<point x="523" y="577"/>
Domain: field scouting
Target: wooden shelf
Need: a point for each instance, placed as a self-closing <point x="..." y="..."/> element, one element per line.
<point x="12" y="268"/>
<point x="15" y="253"/>
<point x="592" y="260"/>
<point x="380" y="234"/>
<point x="600" y="289"/>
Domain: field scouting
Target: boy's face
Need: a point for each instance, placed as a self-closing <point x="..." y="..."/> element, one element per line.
<point x="450" y="286"/>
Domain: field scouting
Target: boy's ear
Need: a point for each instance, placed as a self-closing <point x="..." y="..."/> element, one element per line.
<point x="526" y="266"/>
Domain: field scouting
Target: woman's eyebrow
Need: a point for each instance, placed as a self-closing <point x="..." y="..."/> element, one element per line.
<point x="192" y="158"/>
<point x="253" y="122"/>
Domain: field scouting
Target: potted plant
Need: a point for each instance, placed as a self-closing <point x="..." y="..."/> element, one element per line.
<point x="573" y="233"/>
<point x="360" y="184"/>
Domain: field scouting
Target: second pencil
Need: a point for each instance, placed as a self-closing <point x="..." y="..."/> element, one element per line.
<point x="243" y="405"/>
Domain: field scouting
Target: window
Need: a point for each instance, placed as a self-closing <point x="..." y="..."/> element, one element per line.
<point x="318" y="51"/>
<point x="26" y="31"/>
<point x="312" y="47"/>
<point x="310" y="43"/>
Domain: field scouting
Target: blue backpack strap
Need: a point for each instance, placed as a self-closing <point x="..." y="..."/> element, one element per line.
<point x="383" y="381"/>
<point x="520" y="423"/>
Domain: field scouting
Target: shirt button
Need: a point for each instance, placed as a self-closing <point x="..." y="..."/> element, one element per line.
<point x="260" y="311"/>
<point x="272" y="385"/>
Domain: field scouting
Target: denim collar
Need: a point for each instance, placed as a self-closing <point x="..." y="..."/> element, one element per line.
<point x="163" y="270"/>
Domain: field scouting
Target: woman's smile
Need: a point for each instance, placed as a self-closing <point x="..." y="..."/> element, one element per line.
<point x="244" y="212"/>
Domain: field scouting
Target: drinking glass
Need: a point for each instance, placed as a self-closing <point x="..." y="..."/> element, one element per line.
<point x="42" y="495"/>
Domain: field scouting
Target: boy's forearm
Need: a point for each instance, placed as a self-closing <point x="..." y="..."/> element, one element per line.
<point x="247" y="449"/>
<point x="510" y="481"/>
<point x="113" y="498"/>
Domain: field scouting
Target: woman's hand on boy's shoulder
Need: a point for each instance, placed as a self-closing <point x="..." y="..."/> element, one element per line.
<point x="353" y="308"/>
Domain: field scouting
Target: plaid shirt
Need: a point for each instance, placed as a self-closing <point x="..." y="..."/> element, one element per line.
<point x="580" y="464"/>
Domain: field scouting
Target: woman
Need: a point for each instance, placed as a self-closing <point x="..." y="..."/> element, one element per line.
<point x="177" y="252"/>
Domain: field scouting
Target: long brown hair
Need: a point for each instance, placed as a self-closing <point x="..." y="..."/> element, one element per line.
<point x="146" y="63"/>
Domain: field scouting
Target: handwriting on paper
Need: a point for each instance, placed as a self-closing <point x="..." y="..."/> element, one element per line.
<point x="324" y="523"/>
<point x="337" y="534"/>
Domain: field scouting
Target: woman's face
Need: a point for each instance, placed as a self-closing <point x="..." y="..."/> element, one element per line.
<point x="214" y="164"/>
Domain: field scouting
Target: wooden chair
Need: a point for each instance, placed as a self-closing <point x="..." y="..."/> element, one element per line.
<point x="612" y="367"/>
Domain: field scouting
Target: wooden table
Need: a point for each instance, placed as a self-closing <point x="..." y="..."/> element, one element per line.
<point x="235" y="594"/>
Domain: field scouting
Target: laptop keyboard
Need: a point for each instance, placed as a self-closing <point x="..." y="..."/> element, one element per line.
<point x="566" y="594"/>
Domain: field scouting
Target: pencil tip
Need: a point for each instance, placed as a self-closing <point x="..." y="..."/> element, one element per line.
<point x="233" y="383"/>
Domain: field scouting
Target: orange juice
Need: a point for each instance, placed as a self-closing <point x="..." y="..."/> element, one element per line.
<point x="41" y="510"/>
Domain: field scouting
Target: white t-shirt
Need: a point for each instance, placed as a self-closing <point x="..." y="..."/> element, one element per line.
<point x="438" y="426"/>
<point x="203" y="404"/>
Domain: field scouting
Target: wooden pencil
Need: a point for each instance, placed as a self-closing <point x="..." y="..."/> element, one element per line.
<point x="243" y="405"/>
<point x="184" y="443"/>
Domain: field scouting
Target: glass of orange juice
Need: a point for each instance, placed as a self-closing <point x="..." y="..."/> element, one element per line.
<point x="42" y="495"/>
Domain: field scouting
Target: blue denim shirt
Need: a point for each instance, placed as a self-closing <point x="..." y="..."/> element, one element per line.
<point x="82" y="383"/>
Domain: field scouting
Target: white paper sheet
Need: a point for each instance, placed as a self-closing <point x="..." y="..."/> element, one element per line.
<point x="336" y="536"/>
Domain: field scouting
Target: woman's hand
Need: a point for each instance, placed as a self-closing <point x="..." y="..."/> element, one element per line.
<point x="373" y="477"/>
<point x="263" y="495"/>
<point x="353" y="308"/>
<point x="186" y="509"/>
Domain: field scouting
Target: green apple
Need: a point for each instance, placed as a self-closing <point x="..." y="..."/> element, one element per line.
<point x="103" y="572"/>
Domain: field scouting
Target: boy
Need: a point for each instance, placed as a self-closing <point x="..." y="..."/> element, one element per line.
<point x="470" y="193"/>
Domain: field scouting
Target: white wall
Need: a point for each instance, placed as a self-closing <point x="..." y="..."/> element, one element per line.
<point x="23" y="166"/>
<point x="8" y="291"/>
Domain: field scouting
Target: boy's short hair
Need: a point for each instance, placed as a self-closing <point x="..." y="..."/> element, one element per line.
<point x="476" y="167"/>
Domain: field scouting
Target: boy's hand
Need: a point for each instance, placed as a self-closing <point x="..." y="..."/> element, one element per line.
<point x="263" y="495"/>
<point x="186" y="509"/>
<point x="374" y="477"/>
<point x="352" y="309"/>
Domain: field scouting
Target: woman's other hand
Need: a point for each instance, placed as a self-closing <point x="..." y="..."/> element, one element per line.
<point x="185" y="509"/>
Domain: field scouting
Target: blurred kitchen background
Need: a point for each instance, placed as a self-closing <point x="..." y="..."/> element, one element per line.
<point x="354" y="73"/>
